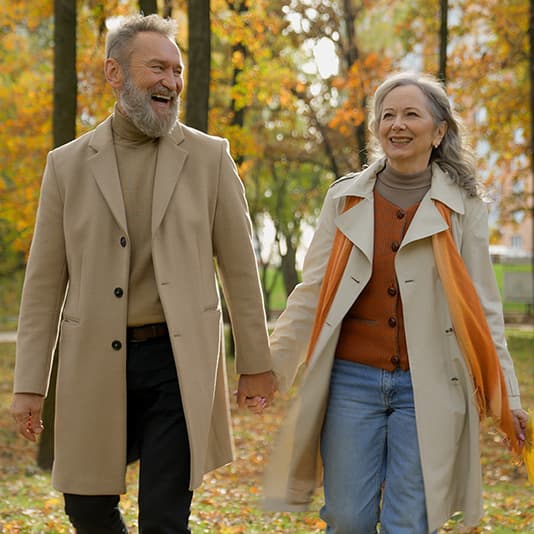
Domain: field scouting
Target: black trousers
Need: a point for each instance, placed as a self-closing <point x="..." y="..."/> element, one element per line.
<point x="157" y="436"/>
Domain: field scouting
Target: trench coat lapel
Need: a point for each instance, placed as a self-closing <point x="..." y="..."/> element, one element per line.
<point x="103" y="166"/>
<point x="357" y="224"/>
<point x="427" y="220"/>
<point x="171" y="159"/>
<point x="353" y="222"/>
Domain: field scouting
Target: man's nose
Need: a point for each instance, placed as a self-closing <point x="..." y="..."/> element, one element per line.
<point x="171" y="80"/>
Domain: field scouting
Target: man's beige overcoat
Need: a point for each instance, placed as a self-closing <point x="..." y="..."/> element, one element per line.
<point x="446" y="415"/>
<point x="80" y="253"/>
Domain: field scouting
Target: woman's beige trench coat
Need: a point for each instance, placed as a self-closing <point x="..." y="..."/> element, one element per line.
<point x="446" y="415"/>
<point x="81" y="239"/>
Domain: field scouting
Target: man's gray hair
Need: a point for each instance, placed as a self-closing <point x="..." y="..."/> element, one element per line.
<point x="119" y="39"/>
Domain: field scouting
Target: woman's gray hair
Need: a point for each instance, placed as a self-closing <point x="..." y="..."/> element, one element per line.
<point x="119" y="39"/>
<point x="451" y="155"/>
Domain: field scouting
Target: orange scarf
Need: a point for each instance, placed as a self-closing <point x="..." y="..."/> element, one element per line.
<point x="470" y="325"/>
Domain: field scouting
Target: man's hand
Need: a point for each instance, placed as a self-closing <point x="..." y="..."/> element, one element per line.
<point x="26" y="409"/>
<point x="256" y="391"/>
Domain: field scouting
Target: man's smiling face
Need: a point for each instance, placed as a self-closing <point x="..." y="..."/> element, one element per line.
<point x="153" y="81"/>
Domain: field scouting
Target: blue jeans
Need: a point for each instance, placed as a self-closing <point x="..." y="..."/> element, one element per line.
<point x="369" y="447"/>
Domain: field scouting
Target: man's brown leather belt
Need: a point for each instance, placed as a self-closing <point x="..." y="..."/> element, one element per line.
<point x="147" y="331"/>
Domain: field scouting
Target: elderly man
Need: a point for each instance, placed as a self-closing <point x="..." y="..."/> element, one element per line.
<point x="121" y="274"/>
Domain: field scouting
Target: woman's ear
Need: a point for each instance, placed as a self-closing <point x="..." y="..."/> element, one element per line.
<point x="440" y="133"/>
<point x="113" y="73"/>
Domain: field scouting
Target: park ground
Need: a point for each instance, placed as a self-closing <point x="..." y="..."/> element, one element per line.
<point x="228" y="501"/>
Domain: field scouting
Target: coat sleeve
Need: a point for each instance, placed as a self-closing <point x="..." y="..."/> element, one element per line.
<point x="43" y="291"/>
<point x="475" y="253"/>
<point x="291" y="335"/>
<point x="238" y="271"/>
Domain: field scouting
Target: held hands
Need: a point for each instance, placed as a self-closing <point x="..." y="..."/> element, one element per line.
<point x="26" y="410"/>
<point x="256" y="392"/>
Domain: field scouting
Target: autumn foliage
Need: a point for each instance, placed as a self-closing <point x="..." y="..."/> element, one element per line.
<point x="295" y="115"/>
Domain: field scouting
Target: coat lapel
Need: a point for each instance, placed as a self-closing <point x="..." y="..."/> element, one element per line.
<point x="353" y="222"/>
<point x="427" y="220"/>
<point x="357" y="223"/>
<point x="103" y="166"/>
<point x="171" y="159"/>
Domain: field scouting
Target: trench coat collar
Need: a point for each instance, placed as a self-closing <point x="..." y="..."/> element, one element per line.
<point x="426" y="222"/>
<point x="103" y="164"/>
<point x="171" y="159"/>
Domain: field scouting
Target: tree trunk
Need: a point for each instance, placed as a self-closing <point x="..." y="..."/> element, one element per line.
<point x="531" y="65"/>
<point x="238" y="114"/>
<point x="65" y="82"/>
<point x="328" y="147"/>
<point x="352" y="54"/>
<point x="199" y="64"/>
<point x="289" y="270"/>
<point x="148" y="7"/>
<point x="45" y="453"/>
<point x="443" y="40"/>
<point x="167" y="9"/>
<point x="64" y="130"/>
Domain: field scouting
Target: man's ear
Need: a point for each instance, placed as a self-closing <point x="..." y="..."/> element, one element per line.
<point x="113" y="73"/>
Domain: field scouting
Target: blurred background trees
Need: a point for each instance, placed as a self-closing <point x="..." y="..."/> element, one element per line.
<point x="287" y="81"/>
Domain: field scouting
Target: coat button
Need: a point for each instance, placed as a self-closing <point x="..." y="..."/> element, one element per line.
<point x="123" y="241"/>
<point x="118" y="292"/>
<point x="392" y="291"/>
<point x="395" y="360"/>
<point x="392" y="322"/>
<point x="395" y="246"/>
<point x="116" y="344"/>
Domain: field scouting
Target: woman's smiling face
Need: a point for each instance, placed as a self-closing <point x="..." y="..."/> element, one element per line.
<point x="407" y="131"/>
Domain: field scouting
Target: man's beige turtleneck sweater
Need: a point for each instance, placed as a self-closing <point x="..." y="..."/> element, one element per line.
<point x="136" y="159"/>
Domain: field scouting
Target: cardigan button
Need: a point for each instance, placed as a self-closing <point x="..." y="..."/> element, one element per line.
<point x="395" y="360"/>
<point x="395" y="246"/>
<point x="392" y="291"/>
<point x="401" y="214"/>
<point x="116" y="344"/>
<point x="392" y="322"/>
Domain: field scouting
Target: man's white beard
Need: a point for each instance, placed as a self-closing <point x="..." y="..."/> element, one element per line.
<point x="137" y="105"/>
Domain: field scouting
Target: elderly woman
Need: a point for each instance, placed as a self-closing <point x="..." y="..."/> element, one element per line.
<point x="401" y="321"/>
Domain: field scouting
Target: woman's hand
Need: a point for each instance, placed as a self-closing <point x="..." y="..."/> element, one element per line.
<point x="520" y="422"/>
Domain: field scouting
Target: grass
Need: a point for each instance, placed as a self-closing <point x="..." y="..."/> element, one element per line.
<point x="500" y="270"/>
<point x="10" y="289"/>
<point x="227" y="502"/>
